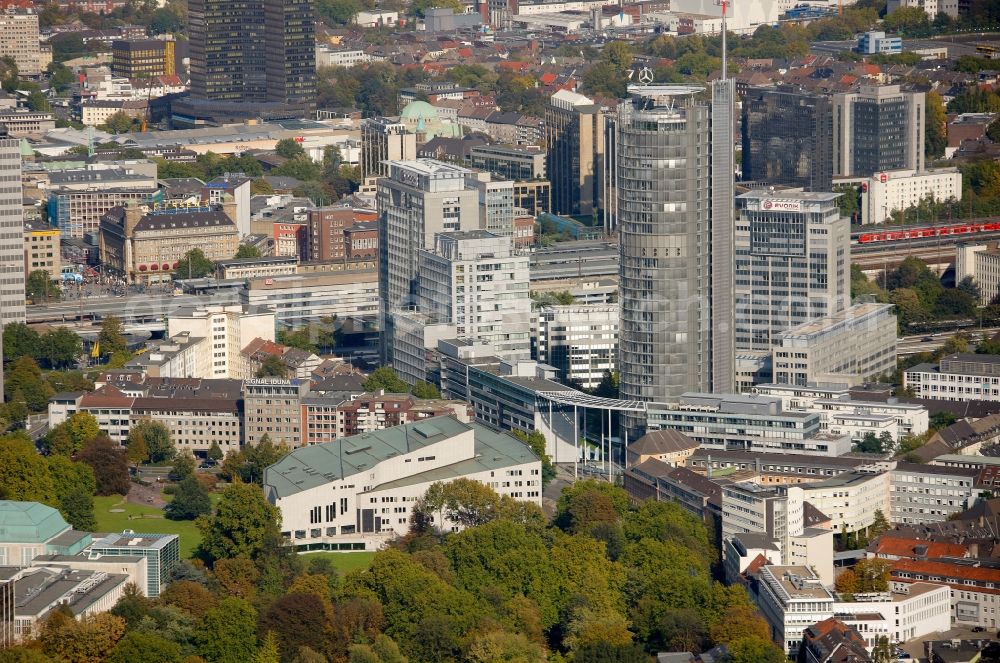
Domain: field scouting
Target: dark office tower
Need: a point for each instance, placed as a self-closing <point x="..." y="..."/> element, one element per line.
<point x="878" y="128"/>
<point x="574" y="134"/>
<point x="788" y="137"/>
<point x="250" y="57"/>
<point x="290" y="33"/>
<point x="227" y="50"/>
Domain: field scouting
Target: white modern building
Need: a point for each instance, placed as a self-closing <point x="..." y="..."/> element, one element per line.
<point x="416" y="201"/>
<point x="931" y="493"/>
<point x="845" y="416"/>
<point x="580" y="340"/>
<point x="207" y="341"/>
<point x="960" y="377"/>
<point x="746" y="422"/>
<point x="792" y="598"/>
<point x="891" y="191"/>
<point x="852" y="346"/>
<point x="851" y="499"/>
<point x="475" y="281"/>
<point x="778" y="513"/>
<point x="359" y="493"/>
<point x="931" y="7"/>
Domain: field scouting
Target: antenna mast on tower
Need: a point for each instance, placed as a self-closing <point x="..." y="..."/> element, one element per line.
<point x="725" y="65"/>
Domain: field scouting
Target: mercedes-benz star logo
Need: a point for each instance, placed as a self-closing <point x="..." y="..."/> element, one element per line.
<point x="646" y="76"/>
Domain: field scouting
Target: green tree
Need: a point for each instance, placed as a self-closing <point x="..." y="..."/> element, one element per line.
<point x="20" y="340"/>
<point x="338" y="12"/>
<point x="942" y="419"/>
<point x="80" y="427"/>
<point x="228" y="632"/>
<point x="184" y="465"/>
<point x="619" y="499"/>
<point x="618" y="54"/>
<point x="60" y="347"/>
<point x="121" y="123"/>
<point x="137" y="451"/>
<point x="273" y="367"/>
<point x="883" y="652"/>
<point x="190" y="501"/>
<point x="61" y="78"/>
<point x="24" y="378"/>
<point x="289" y="148"/>
<point x="879" y="524"/>
<point x="425" y="390"/>
<point x="111" y="339"/>
<point x="244" y="523"/>
<point x="108" y="461"/>
<point x="418" y="7"/>
<point x="386" y="378"/>
<point x="194" y="265"/>
<point x="605" y="79"/>
<point x="157" y="438"/>
<point x="536" y="441"/>
<point x="755" y="650"/>
<point x="247" y="251"/>
<point x="87" y="640"/>
<point x="215" y="451"/>
<point x="138" y="646"/>
<point x="77" y="508"/>
<point x="24" y="475"/>
<point x="38" y="102"/>
<point x="297" y="620"/>
<point x="40" y="287"/>
<point x="268" y="652"/>
<point x="935" y="126"/>
<point x="873" y="574"/>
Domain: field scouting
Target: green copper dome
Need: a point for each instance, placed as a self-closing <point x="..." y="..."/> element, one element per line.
<point x="29" y="522"/>
<point x="418" y="110"/>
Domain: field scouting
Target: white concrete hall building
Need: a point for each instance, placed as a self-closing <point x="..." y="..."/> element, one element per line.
<point x="358" y="493"/>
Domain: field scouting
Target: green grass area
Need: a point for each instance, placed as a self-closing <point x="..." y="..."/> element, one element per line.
<point x="145" y="519"/>
<point x="345" y="562"/>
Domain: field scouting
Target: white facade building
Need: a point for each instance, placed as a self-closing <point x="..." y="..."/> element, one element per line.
<point x="961" y="377"/>
<point x="581" y="340"/>
<point x="931" y="7"/>
<point x="851" y="347"/>
<point x="894" y="190"/>
<point x="206" y="341"/>
<point x="475" y="281"/>
<point x="359" y="492"/>
<point x="792" y="598"/>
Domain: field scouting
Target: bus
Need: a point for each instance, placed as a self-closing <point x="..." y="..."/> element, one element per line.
<point x="988" y="52"/>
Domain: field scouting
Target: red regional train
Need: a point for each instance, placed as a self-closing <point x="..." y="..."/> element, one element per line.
<point x="969" y="228"/>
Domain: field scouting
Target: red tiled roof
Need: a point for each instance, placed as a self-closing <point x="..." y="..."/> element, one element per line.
<point x="907" y="548"/>
<point x="946" y="570"/>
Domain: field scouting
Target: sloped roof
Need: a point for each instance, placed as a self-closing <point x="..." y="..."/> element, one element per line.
<point x="662" y="442"/>
<point x="29" y="522"/>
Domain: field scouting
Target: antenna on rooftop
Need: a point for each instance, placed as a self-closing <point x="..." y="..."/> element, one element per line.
<point x="724" y="4"/>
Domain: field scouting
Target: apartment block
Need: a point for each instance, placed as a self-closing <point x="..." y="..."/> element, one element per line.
<point x="580" y="340"/>
<point x="959" y="377"/>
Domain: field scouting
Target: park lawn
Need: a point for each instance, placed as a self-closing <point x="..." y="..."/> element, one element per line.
<point x="345" y="562"/>
<point x="144" y="519"/>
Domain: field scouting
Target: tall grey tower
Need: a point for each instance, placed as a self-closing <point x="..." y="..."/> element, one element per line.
<point x="11" y="239"/>
<point x="674" y="152"/>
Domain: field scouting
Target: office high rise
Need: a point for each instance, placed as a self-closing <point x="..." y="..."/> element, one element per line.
<point x="788" y="137"/>
<point x="878" y="128"/>
<point x="384" y="139"/>
<point x="11" y="239"/>
<point x="417" y="200"/>
<point x="498" y="311"/>
<point x="574" y="134"/>
<point x="792" y="263"/>
<point x="255" y="52"/>
<point x="674" y="210"/>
